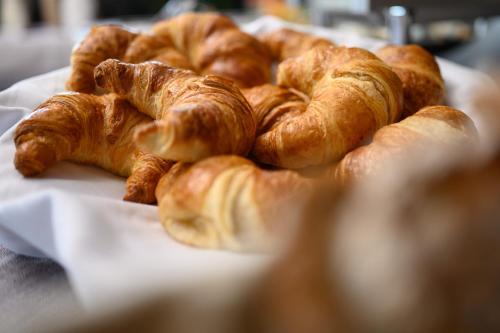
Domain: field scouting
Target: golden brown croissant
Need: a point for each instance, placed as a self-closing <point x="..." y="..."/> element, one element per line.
<point x="226" y="202"/>
<point x="287" y="43"/>
<point x="101" y="43"/>
<point x="196" y="116"/>
<point x="215" y="45"/>
<point x="89" y="129"/>
<point x="207" y="43"/>
<point x="331" y="100"/>
<point x="430" y="126"/>
<point x="418" y="70"/>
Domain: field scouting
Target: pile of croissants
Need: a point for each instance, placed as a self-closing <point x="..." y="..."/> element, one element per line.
<point x="193" y="116"/>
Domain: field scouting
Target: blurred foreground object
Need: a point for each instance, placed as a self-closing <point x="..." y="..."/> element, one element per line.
<point x="432" y="253"/>
<point x="413" y="251"/>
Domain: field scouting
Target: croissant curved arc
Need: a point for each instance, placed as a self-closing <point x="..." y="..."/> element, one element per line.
<point x="196" y="116"/>
<point x="423" y="84"/>
<point x="430" y="126"/>
<point x="214" y="44"/>
<point x="329" y="101"/>
<point x="101" y="43"/>
<point x="226" y="202"/>
<point x="207" y="43"/>
<point x="88" y="129"/>
<point x="287" y="43"/>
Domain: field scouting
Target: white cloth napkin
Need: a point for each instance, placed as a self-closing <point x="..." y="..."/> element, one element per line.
<point x="113" y="249"/>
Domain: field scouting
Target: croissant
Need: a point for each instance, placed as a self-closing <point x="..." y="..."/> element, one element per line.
<point x="330" y="100"/>
<point x="207" y="43"/>
<point x="196" y="116"/>
<point x="423" y="84"/>
<point x="214" y="44"/>
<point x="287" y="43"/>
<point x="101" y="43"/>
<point x="89" y="129"/>
<point x="227" y="202"/>
<point x="429" y="126"/>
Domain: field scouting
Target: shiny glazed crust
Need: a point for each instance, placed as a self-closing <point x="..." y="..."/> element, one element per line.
<point x="329" y="101"/>
<point x="96" y="130"/>
<point x="207" y="43"/>
<point x="226" y="202"/>
<point x="423" y="84"/>
<point x="430" y="126"/>
<point x="196" y="116"/>
<point x="287" y="43"/>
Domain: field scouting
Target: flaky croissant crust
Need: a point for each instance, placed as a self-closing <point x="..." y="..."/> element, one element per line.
<point x="430" y="126"/>
<point x="196" y="116"/>
<point x="226" y="202"/>
<point x="419" y="72"/>
<point x="287" y="43"/>
<point x="330" y="100"/>
<point x="96" y="130"/>
<point x="207" y="43"/>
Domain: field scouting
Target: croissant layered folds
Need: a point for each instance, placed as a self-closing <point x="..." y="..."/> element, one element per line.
<point x="214" y="44"/>
<point x="287" y="43"/>
<point x="207" y="43"/>
<point x="196" y="116"/>
<point x="101" y="43"/>
<point x="89" y="129"/>
<point x="226" y="202"/>
<point x="330" y="100"/>
<point x="418" y="70"/>
<point x="430" y="126"/>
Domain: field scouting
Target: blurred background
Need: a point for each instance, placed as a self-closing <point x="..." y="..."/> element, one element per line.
<point x="37" y="35"/>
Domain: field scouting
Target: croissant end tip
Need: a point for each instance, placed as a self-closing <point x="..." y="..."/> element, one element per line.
<point x="101" y="72"/>
<point x="139" y="195"/>
<point x="32" y="158"/>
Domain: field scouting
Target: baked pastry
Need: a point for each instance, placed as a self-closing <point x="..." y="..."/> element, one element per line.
<point x="214" y="44"/>
<point x="227" y="202"/>
<point x="330" y="100"/>
<point x="207" y="43"/>
<point x="287" y="43"/>
<point x="430" y="126"/>
<point x="101" y="43"/>
<point x="89" y="129"/>
<point x="196" y="116"/>
<point x="423" y="84"/>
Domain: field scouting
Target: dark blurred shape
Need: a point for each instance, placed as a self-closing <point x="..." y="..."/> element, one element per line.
<point x="120" y="8"/>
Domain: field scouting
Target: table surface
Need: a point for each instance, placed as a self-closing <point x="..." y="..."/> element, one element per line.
<point x="32" y="290"/>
